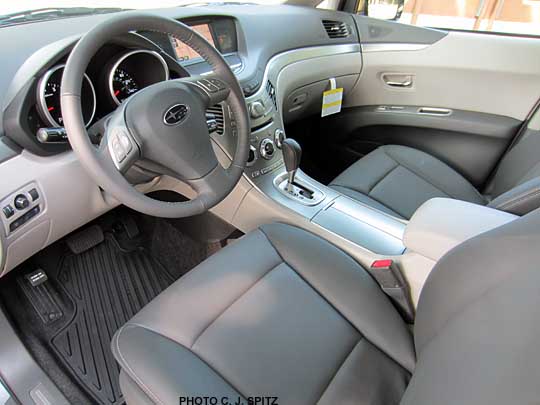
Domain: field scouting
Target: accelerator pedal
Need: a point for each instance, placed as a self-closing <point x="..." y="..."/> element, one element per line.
<point x="85" y="239"/>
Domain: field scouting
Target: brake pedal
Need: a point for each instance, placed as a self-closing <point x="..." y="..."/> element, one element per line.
<point x="85" y="239"/>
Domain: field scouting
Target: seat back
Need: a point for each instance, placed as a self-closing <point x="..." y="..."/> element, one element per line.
<point x="478" y="322"/>
<point x="519" y="165"/>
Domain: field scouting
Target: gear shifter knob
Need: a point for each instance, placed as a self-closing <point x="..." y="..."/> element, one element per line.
<point x="292" y="153"/>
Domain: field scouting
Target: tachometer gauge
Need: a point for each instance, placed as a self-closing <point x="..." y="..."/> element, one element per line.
<point x="123" y="85"/>
<point x="49" y="98"/>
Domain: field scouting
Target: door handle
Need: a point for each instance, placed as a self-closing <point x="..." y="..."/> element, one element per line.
<point x="407" y="83"/>
<point x="398" y="80"/>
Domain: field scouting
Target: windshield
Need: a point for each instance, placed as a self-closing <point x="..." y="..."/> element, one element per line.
<point x="14" y="12"/>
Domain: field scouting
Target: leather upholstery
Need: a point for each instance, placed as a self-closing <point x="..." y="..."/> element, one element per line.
<point x="284" y="313"/>
<point x="478" y="324"/>
<point x="516" y="184"/>
<point x="400" y="179"/>
<point x="255" y="316"/>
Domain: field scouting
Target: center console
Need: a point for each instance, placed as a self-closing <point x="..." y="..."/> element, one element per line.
<point x="274" y="186"/>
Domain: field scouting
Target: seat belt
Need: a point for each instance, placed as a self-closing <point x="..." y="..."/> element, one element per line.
<point x="389" y="277"/>
<point x="517" y="137"/>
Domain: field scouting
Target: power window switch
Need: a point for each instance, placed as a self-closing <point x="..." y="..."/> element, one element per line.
<point x="8" y="211"/>
<point x="34" y="194"/>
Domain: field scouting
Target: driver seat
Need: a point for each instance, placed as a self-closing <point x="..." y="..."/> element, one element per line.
<point x="283" y="313"/>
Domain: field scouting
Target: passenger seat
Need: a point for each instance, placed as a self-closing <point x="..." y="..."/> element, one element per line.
<point x="398" y="179"/>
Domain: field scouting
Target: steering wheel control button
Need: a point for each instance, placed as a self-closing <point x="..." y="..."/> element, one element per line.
<point x="8" y="211"/>
<point x="267" y="148"/>
<point x="279" y="137"/>
<point x="34" y="195"/>
<point x="124" y="141"/>
<point x="218" y="84"/>
<point x="256" y="109"/>
<point x="120" y="145"/>
<point x="118" y="150"/>
<point x="175" y="114"/>
<point x="21" y="202"/>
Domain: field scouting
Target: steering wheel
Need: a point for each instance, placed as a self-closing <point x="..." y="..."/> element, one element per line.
<point x="164" y="123"/>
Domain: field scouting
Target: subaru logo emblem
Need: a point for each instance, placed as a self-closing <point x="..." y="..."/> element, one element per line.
<point x="175" y="114"/>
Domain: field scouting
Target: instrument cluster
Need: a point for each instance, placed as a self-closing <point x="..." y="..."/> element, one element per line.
<point x="129" y="72"/>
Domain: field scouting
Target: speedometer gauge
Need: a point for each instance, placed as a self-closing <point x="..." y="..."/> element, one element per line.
<point x="133" y="71"/>
<point x="49" y="98"/>
<point x="123" y="85"/>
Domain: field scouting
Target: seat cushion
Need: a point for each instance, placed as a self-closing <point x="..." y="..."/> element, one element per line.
<point x="278" y="313"/>
<point x="397" y="180"/>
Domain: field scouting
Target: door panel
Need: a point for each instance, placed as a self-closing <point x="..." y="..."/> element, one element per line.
<point x="469" y="142"/>
<point x="461" y="98"/>
<point x="468" y="71"/>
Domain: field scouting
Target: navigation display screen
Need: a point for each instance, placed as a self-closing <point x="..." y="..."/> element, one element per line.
<point x="221" y="33"/>
<point x="184" y="52"/>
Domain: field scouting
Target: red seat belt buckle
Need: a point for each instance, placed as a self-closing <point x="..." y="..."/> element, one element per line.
<point x="382" y="264"/>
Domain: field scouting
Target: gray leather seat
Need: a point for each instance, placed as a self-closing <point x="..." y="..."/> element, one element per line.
<point x="398" y="179"/>
<point x="283" y="313"/>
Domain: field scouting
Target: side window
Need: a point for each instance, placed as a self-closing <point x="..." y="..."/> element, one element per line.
<point x="503" y="16"/>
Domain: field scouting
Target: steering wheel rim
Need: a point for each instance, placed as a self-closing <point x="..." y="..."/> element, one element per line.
<point x="214" y="183"/>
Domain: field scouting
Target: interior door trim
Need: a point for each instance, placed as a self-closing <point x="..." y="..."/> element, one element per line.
<point x="392" y="47"/>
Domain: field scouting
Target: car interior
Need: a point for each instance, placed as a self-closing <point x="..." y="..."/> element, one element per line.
<point x="235" y="203"/>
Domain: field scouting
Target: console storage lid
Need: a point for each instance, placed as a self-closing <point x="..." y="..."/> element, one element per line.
<point x="441" y="224"/>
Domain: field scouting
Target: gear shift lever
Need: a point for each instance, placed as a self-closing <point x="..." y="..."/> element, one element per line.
<point x="292" y="153"/>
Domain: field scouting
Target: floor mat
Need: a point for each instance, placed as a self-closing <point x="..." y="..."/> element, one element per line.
<point x="66" y="307"/>
<point x="107" y="286"/>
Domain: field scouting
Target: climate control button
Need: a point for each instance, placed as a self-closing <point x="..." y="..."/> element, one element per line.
<point x="267" y="148"/>
<point x="256" y="109"/>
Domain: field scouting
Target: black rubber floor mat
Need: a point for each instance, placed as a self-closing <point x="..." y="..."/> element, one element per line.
<point x="108" y="286"/>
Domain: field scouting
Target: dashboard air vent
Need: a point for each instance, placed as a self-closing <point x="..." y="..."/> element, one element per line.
<point x="216" y="113"/>
<point x="336" y="29"/>
<point x="271" y="92"/>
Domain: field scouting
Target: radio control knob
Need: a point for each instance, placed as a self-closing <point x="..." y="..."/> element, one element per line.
<point x="267" y="148"/>
<point x="256" y="109"/>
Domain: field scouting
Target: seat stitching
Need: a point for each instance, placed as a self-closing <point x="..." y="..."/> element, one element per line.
<point x="133" y="325"/>
<point x="320" y="294"/>
<point x="384" y="176"/>
<point x="529" y="194"/>
<point x="232" y="303"/>
<point x="137" y="379"/>
<point x="431" y="181"/>
<point x="340" y="367"/>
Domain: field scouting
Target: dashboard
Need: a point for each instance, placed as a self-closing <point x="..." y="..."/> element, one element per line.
<point x="120" y="69"/>
<point x="35" y="157"/>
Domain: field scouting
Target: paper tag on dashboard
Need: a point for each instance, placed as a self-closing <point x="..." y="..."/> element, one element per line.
<point x="332" y="99"/>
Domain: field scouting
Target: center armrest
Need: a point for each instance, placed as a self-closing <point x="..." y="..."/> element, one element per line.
<point x="441" y="224"/>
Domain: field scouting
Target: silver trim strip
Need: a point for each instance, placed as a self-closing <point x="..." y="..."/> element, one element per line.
<point x="127" y="55"/>
<point x="279" y="61"/>
<point x="393" y="47"/>
<point x="42" y="104"/>
<point x="4" y="394"/>
<point x="439" y="112"/>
